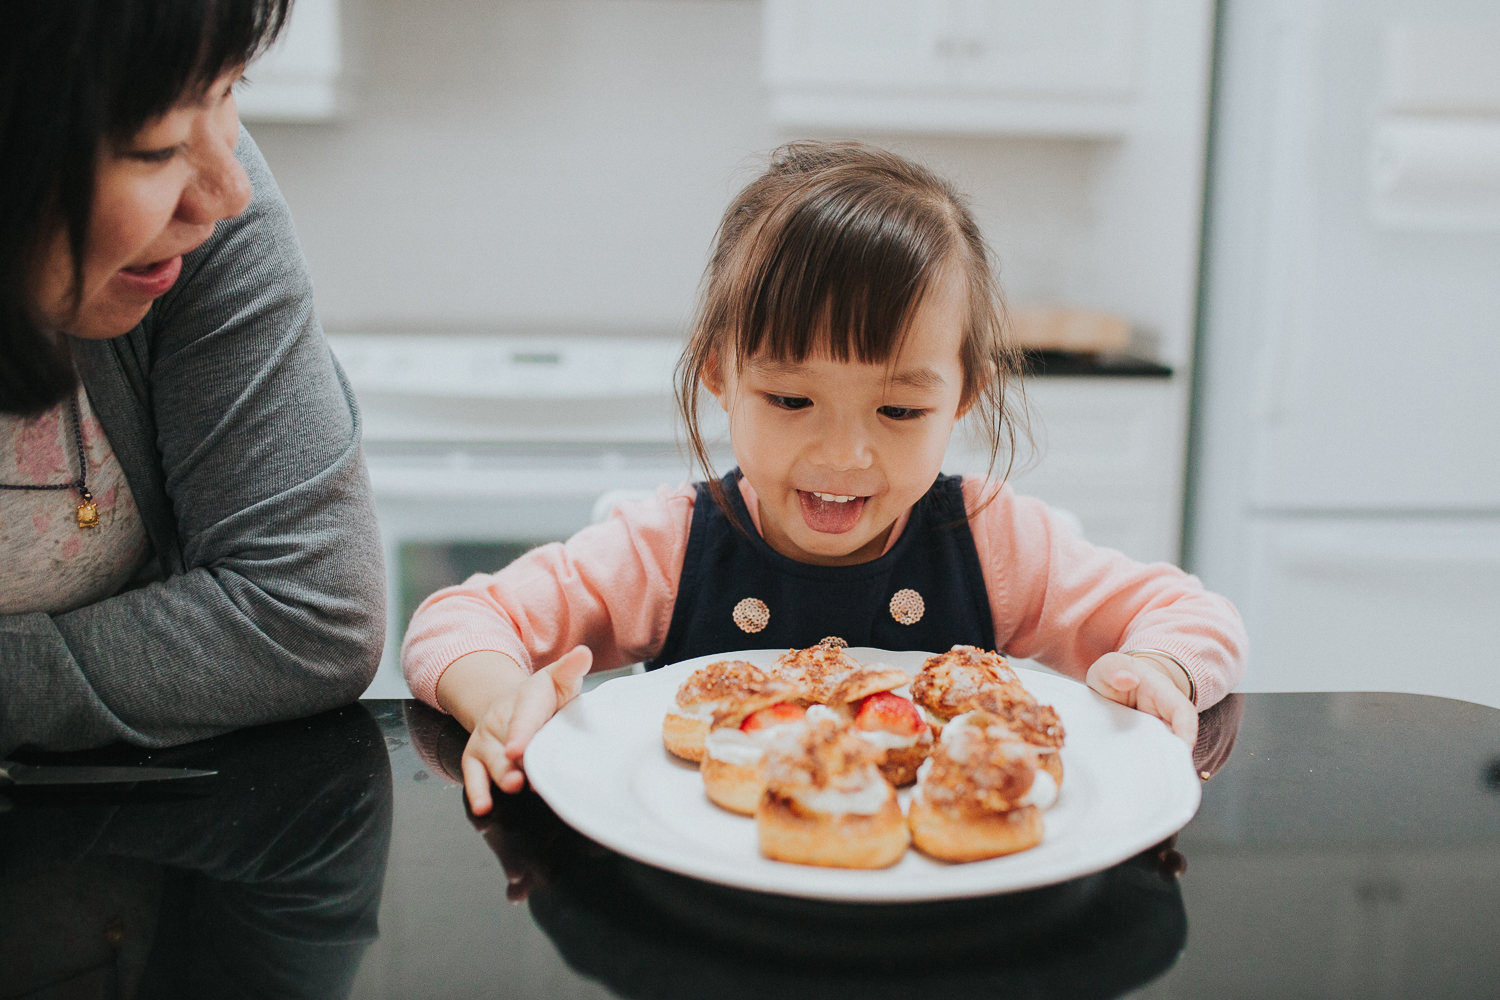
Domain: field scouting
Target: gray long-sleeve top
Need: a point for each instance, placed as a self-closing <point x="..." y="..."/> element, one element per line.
<point x="239" y="436"/>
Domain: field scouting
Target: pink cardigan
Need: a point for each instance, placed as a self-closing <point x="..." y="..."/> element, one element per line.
<point x="1054" y="597"/>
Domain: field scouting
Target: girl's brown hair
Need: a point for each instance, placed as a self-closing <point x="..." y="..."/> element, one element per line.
<point x="831" y="250"/>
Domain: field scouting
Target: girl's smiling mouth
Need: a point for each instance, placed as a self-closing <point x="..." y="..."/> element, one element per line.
<point x="830" y="513"/>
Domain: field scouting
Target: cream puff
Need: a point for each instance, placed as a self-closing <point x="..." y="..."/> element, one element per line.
<point x="948" y="684"/>
<point x="738" y="738"/>
<point x="980" y="795"/>
<point x="817" y="670"/>
<point x="712" y="688"/>
<point x="1032" y="723"/>
<point x="826" y="803"/>
<point x="893" y="724"/>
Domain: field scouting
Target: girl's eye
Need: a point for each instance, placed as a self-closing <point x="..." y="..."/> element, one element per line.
<point x="900" y="412"/>
<point x="790" y="402"/>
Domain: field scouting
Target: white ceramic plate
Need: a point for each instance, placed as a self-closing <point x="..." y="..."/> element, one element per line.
<point x="1128" y="783"/>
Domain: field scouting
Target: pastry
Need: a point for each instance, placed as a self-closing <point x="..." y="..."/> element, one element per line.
<point x="825" y="802"/>
<point x="980" y="795"/>
<point x="948" y="684"/>
<point x="738" y="736"/>
<point x="1030" y="722"/>
<point x="817" y="670"/>
<point x="867" y="700"/>
<point x="709" y="689"/>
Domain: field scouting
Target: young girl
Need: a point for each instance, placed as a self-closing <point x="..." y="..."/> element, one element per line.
<point x="850" y="318"/>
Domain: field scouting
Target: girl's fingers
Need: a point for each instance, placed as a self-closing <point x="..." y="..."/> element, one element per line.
<point x="1162" y="699"/>
<point x="544" y="692"/>
<point x="567" y="673"/>
<point x="484" y="761"/>
<point x="476" y="784"/>
<point x="1113" y="675"/>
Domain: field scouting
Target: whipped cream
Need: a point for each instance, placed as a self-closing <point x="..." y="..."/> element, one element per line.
<point x="822" y="713"/>
<point x="733" y="746"/>
<point x="865" y="799"/>
<point x="923" y="770"/>
<point x="1043" y="792"/>
<point x="885" y="740"/>
<point x="935" y="721"/>
<point x="703" y="711"/>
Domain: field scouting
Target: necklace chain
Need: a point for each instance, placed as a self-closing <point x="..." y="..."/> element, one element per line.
<point x="81" y="483"/>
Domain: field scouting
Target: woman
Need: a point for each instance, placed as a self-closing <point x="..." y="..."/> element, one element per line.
<point x="187" y="539"/>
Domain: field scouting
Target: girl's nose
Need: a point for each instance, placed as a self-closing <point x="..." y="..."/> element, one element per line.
<point x="220" y="188"/>
<point x="844" y="448"/>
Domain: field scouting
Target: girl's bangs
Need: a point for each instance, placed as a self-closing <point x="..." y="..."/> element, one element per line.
<point x="839" y="274"/>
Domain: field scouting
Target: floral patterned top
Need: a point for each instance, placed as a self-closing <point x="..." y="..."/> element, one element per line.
<point x="47" y="562"/>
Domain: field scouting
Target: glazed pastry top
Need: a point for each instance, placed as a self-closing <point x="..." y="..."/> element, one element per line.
<point x="817" y="670"/>
<point x="719" y="681"/>
<point x="1037" y="724"/>
<point x="979" y="765"/>
<point x="951" y="682"/>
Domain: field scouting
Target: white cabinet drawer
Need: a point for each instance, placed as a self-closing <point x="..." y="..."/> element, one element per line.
<point x="1065" y="67"/>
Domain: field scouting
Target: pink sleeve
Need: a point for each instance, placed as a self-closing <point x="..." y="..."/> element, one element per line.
<point x="1059" y="600"/>
<point x="610" y="587"/>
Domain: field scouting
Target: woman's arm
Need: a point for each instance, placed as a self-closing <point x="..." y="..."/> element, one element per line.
<point x="240" y="439"/>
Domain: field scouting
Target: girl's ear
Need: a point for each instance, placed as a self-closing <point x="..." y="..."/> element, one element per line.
<point x="712" y="377"/>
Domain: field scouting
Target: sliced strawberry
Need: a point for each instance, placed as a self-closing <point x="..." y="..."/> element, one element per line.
<point x="782" y="711"/>
<point x="891" y="713"/>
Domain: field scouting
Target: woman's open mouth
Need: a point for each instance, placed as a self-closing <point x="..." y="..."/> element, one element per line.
<point x="152" y="280"/>
<point x="830" y="513"/>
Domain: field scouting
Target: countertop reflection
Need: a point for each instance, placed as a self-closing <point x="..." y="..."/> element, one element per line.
<point x="1347" y="845"/>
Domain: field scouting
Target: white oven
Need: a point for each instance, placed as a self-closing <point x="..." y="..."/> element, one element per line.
<point x="481" y="447"/>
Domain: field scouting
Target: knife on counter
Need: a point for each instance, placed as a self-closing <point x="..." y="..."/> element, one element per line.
<point x="12" y="773"/>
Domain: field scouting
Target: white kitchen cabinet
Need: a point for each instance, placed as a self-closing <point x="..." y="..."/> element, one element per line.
<point x="300" y="78"/>
<point x="1066" y="67"/>
<point x="1375" y="604"/>
<point x="1107" y="449"/>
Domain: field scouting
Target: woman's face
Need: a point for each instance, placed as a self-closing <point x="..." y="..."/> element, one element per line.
<point x="156" y="198"/>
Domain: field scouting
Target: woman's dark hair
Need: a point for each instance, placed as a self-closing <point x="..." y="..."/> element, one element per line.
<point x="76" y="76"/>
<point x="831" y="250"/>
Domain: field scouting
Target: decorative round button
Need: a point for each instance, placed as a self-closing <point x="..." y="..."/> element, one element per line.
<point x="834" y="641"/>
<point x="907" y="606"/>
<point x="751" y="614"/>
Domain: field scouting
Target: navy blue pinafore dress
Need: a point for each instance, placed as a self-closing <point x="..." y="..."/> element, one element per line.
<point x="737" y="592"/>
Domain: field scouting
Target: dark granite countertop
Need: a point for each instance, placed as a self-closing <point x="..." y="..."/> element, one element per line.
<point x="1348" y="845"/>
<point x="1051" y="364"/>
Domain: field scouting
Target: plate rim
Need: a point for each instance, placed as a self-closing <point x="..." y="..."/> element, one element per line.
<point x="1180" y="808"/>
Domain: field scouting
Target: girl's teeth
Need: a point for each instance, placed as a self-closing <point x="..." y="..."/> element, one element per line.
<point x="832" y="498"/>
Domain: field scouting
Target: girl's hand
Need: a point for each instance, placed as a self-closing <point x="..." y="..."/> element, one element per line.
<point x="1144" y="683"/>
<point x="503" y="707"/>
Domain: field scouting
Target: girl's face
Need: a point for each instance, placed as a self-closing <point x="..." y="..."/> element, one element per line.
<point x="837" y="450"/>
<point x="155" y="199"/>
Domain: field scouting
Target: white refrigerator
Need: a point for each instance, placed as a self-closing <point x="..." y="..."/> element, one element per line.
<point x="1345" y="465"/>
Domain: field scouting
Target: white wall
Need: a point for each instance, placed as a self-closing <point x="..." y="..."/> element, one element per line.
<point x="563" y="163"/>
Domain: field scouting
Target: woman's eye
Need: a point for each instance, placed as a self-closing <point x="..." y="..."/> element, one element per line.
<point x="154" y="155"/>
<point x="790" y="402"/>
<point x="901" y="412"/>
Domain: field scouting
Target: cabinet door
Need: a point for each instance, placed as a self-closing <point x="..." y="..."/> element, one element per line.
<point x="1398" y="604"/>
<point x="1062" y="48"/>
<point x="859" y="43"/>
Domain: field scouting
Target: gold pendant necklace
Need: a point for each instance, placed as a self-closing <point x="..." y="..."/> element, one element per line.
<point x="88" y="511"/>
